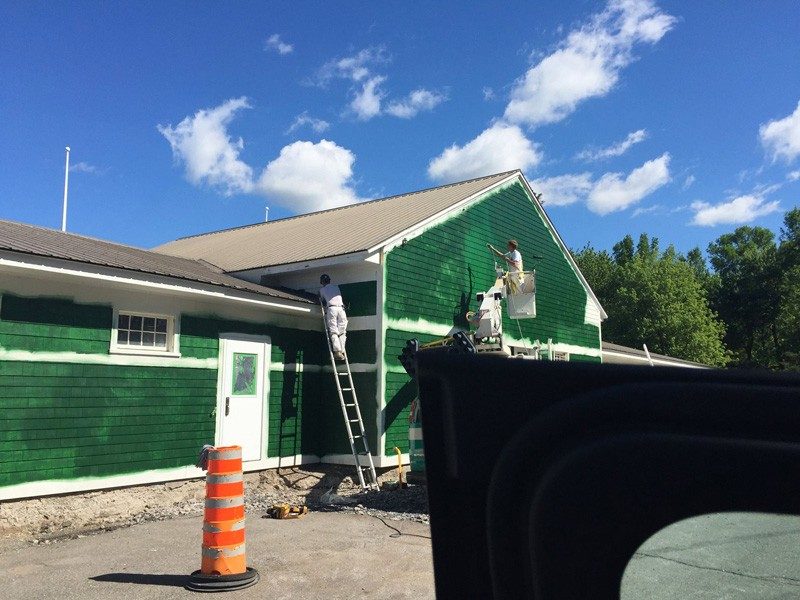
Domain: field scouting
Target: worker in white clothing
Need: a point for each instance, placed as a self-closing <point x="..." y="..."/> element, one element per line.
<point x="514" y="260"/>
<point x="335" y="317"/>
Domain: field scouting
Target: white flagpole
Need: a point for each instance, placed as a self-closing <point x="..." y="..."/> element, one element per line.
<point x="66" y="185"/>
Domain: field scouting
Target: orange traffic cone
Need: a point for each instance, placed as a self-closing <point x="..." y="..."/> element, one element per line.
<point x="223" y="565"/>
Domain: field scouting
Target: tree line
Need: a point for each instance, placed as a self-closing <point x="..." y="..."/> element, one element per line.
<point x="742" y="310"/>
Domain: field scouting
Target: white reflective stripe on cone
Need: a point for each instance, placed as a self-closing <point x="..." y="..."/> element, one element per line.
<point x="211" y="528"/>
<point x="224" y="552"/>
<point x="228" y="454"/>
<point x="224" y="502"/>
<point x="224" y="477"/>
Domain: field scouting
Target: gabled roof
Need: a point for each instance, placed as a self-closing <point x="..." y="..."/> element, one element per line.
<point x="40" y="241"/>
<point x="327" y="233"/>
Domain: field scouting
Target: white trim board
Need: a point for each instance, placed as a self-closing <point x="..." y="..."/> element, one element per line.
<point x="643" y="359"/>
<point x="381" y="461"/>
<point x="123" y="360"/>
<point x="162" y="283"/>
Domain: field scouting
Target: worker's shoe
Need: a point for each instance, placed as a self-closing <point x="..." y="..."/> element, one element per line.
<point x="338" y="356"/>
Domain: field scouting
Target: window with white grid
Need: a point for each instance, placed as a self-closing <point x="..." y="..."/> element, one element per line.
<point x="143" y="332"/>
<point x="564" y="356"/>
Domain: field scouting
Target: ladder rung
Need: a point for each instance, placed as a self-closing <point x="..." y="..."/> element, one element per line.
<point x="345" y="373"/>
<point x="349" y="404"/>
<point x="347" y="389"/>
<point x="356" y="437"/>
<point x="354" y="420"/>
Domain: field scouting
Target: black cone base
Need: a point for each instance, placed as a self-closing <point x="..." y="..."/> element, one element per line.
<point x="199" y="582"/>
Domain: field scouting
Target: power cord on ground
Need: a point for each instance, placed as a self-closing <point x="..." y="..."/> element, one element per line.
<point x="399" y="533"/>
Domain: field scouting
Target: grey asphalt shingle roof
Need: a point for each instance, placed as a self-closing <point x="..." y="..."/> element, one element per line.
<point x="41" y="241"/>
<point x="333" y="232"/>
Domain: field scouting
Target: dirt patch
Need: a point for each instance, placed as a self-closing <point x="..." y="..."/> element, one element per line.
<point x="321" y="487"/>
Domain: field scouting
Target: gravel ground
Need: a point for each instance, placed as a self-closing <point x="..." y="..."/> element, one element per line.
<point x="327" y="488"/>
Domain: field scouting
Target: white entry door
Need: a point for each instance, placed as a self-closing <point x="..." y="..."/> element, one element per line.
<point x="241" y="402"/>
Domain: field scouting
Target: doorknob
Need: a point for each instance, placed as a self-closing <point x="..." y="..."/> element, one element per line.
<point x="227" y="406"/>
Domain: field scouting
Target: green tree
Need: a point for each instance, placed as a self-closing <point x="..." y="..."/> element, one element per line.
<point x="748" y="296"/>
<point x="788" y="321"/>
<point x="654" y="298"/>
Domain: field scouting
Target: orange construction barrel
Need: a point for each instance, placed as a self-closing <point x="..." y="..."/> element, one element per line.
<point x="223" y="563"/>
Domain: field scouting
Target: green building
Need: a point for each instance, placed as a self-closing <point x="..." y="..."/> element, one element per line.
<point x="117" y="364"/>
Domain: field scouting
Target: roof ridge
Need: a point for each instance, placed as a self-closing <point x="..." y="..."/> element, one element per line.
<point x="327" y="210"/>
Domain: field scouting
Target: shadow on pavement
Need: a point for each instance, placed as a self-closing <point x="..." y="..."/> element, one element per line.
<point x="143" y="579"/>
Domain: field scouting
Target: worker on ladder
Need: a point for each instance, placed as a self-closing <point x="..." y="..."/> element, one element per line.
<point x="335" y="318"/>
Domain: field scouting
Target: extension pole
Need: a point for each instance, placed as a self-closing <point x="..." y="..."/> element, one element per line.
<point x="66" y="185"/>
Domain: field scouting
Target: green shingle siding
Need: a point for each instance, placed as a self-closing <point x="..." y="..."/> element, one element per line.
<point x="54" y="325"/>
<point x="435" y="276"/>
<point x="68" y="420"/>
<point x="75" y="420"/>
<point x="360" y="298"/>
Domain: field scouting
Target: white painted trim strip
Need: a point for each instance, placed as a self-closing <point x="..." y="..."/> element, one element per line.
<point x="300" y="368"/>
<point x="380" y="461"/>
<point x="302" y="265"/>
<point x="185" y="289"/>
<point x="123" y="360"/>
<point x="51" y="487"/>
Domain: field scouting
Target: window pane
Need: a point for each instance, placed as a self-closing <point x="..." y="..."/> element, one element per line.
<point x="148" y="338"/>
<point x="161" y="340"/>
<point x="149" y="324"/>
<point x="161" y="325"/>
<point x="244" y="374"/>
<point x="122" y="337"/>
<point x="135" y="338"/>
<point x="136" y="323"/>
<point x="124" y="321"/>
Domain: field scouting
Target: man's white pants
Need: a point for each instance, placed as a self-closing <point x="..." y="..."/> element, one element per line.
<point x="336" y="322"/>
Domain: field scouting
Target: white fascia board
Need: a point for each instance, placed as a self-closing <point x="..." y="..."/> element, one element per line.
<point x="386" y="244"/>
<point x="634" y="358"/>
<point x="354" y="257"/>
<point x="564" y="248"/>
<point x="159" y="282"/>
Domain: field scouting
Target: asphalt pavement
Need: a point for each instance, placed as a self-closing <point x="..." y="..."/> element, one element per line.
<point x="340" y="555"/>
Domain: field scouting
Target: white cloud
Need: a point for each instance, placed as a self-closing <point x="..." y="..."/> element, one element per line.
<point x="201" y="142"/>
<point x="308" y="176"/>
<point x="368" y="95"/>
<point x="274" y="42"/>
<point x="781" y="137"/>
<point x="612" y="193"/>
<point x="355" y="68"/>
<point x="587" y="63"/>
<point x="303" y="119"/>
<point x="563" y="189"/>
<point x="488" y="93"/>
<point x="305" y="176"/>
<point x="646" y="211"/>
<point x="616" y="149"/>
<point x="417" y="101"/>
<point x="83" y="167"/>
<point x="367" y="102"/>
<point x="793" y="176"/>
<point x="742" y="209"/>
<point x="501" y="147"/>
<point x="688" y="182"/>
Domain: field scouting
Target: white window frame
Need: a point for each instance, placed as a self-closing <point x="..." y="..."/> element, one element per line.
<point x="173" y="335"/>
<point x="564" y="356"/>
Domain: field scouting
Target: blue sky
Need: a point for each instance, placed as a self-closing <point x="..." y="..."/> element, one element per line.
<point x="680" y="119"/>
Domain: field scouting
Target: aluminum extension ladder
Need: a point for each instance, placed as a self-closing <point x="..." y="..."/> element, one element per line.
<point x="351" y="412"/>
